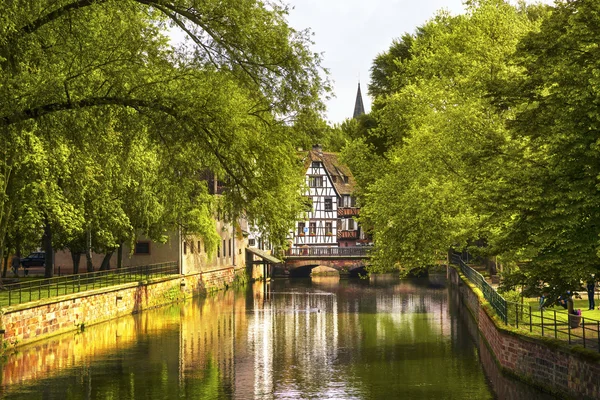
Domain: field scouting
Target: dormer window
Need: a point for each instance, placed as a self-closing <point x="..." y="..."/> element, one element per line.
<point x="345" y="179"/>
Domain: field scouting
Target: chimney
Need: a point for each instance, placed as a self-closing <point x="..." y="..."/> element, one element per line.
<point x="318" y="149"/>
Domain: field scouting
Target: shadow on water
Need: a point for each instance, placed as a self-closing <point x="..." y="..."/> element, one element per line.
<point x="504" y="387"/>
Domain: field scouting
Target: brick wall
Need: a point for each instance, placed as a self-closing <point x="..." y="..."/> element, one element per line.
<point x="29" y="322"/>
<point x="553" y="367"/>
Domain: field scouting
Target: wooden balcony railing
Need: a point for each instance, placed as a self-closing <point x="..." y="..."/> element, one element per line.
<point x="329" y="251"/>
<point x="347" y="234"/>
<point x="348" y="212"/>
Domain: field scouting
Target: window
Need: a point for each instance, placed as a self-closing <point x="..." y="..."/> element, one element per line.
<point x="199" y="248"/>
<point x="328" y="228"/>
<point x="224" y="248"/>
<point x="192" y="247"/>
<point x="345" y="179"/>
<point x="252" y="242"/>
<point x="328" y="204"/>
<point x="334" y="178"/>
<point x="350" y="224"/>
<point x="316" y="164"/>
<point x="346" y="202"/>
<point x="142" y="247"/>
<point x="352" y="201"/>
<point x="315" y="181"/>
<point x="301" y="226"/>
<point x="218" y="251"/>
<point x="184" y="247"/>
<point x="230" y="247"/>
<point x="312" y="228"/>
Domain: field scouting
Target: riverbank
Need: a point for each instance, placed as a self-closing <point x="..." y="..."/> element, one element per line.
<point x="548" y="364"/>
<point x="29" y="322"/>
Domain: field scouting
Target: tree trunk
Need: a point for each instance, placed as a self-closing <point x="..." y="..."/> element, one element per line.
<point x="5" y="213"/>
<point x="5" y="256"/>
<point x="47" y="243"/>
<point x="88" y="250"/>
<point x="106" y="261"/>
<point x="1" y="252"/>
<point x="76" y="257"/>
<point x="5" y="267"/>
<point x="120" y="256"/>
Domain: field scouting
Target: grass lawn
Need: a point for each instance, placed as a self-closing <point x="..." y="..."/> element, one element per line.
<point x="577" y="304"/>
<point x="553" y="322"/>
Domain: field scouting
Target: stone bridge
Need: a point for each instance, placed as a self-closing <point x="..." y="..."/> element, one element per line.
<point x="348" y="261"/>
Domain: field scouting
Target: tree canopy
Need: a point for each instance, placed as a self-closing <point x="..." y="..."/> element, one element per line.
<point x="490" y="123"/>
<point x="107" y="126"/>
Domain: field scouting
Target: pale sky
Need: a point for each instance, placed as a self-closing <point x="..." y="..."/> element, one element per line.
<point x="350" y="34"/>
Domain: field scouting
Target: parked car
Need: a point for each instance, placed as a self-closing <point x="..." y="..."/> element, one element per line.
<point x="35" y="259"/>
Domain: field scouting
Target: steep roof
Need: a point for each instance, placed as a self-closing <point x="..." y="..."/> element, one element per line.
<point x="340" y="174"/>
<point x="358" y="104"/>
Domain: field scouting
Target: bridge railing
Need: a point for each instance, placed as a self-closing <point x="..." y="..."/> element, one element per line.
<point x="362" y="251"/>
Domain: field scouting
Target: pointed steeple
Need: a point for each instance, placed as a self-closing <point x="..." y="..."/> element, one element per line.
<point x="358" y="105"/>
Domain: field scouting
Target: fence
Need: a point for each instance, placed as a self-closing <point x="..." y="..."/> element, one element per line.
<point x="575" y="329"/>
<point x="24" y="292"/>
<point x="496" y="301"/>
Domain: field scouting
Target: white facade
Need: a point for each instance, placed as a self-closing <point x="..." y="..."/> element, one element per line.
<point x="319" y="227"/>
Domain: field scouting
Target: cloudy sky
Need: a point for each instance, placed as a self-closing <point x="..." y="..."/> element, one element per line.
<point x="350" y="33"/>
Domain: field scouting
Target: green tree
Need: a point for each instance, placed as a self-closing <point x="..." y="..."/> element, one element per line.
<point x="443" y="132"/>
<point x="388" y="67"/>
<point x="553" y="169"/>
<point x="73" y="69"/>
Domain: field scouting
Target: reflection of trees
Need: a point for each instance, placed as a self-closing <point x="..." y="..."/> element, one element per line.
<point x="186" y="350"/>
<point x="405" y="345"/>
<point x="302" y="340"/>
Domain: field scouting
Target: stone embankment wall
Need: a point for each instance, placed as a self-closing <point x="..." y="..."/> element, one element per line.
<point x="546" y="363"/>
<point x="33" y="321"/>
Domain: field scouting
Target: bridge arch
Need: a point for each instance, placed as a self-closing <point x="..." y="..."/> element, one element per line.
<point x="302" y="271"/>
<point x="358" y="271"/>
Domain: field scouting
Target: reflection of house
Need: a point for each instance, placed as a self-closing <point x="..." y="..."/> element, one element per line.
<point x="331" y="207"/>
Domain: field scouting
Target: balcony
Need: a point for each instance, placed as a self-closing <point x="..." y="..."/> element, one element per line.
<point x="347" y="212"/>
<point x="347" y="235"/>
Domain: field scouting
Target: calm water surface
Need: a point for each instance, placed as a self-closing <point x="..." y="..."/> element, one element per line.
<point x="378" y="339"/>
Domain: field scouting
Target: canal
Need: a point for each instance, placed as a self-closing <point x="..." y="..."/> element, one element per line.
<point x="289" y="339"/>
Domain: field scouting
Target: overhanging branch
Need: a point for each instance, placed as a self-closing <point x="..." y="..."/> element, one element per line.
<point x="40" y="111"/>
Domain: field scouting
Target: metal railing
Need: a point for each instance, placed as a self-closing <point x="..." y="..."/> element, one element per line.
<point x="25" y="292"/>
<point x="362" y="251"/>
<point x="575" y="329"/>
<point x="497" y="302"/>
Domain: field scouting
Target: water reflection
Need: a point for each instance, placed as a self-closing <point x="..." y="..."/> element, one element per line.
<point x="325" y="338"/>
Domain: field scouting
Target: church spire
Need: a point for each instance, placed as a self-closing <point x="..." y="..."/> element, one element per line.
<point x="358" y="105"/>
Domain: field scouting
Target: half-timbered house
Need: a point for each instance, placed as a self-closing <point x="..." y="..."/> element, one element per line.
<point x="331" y="208"/>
